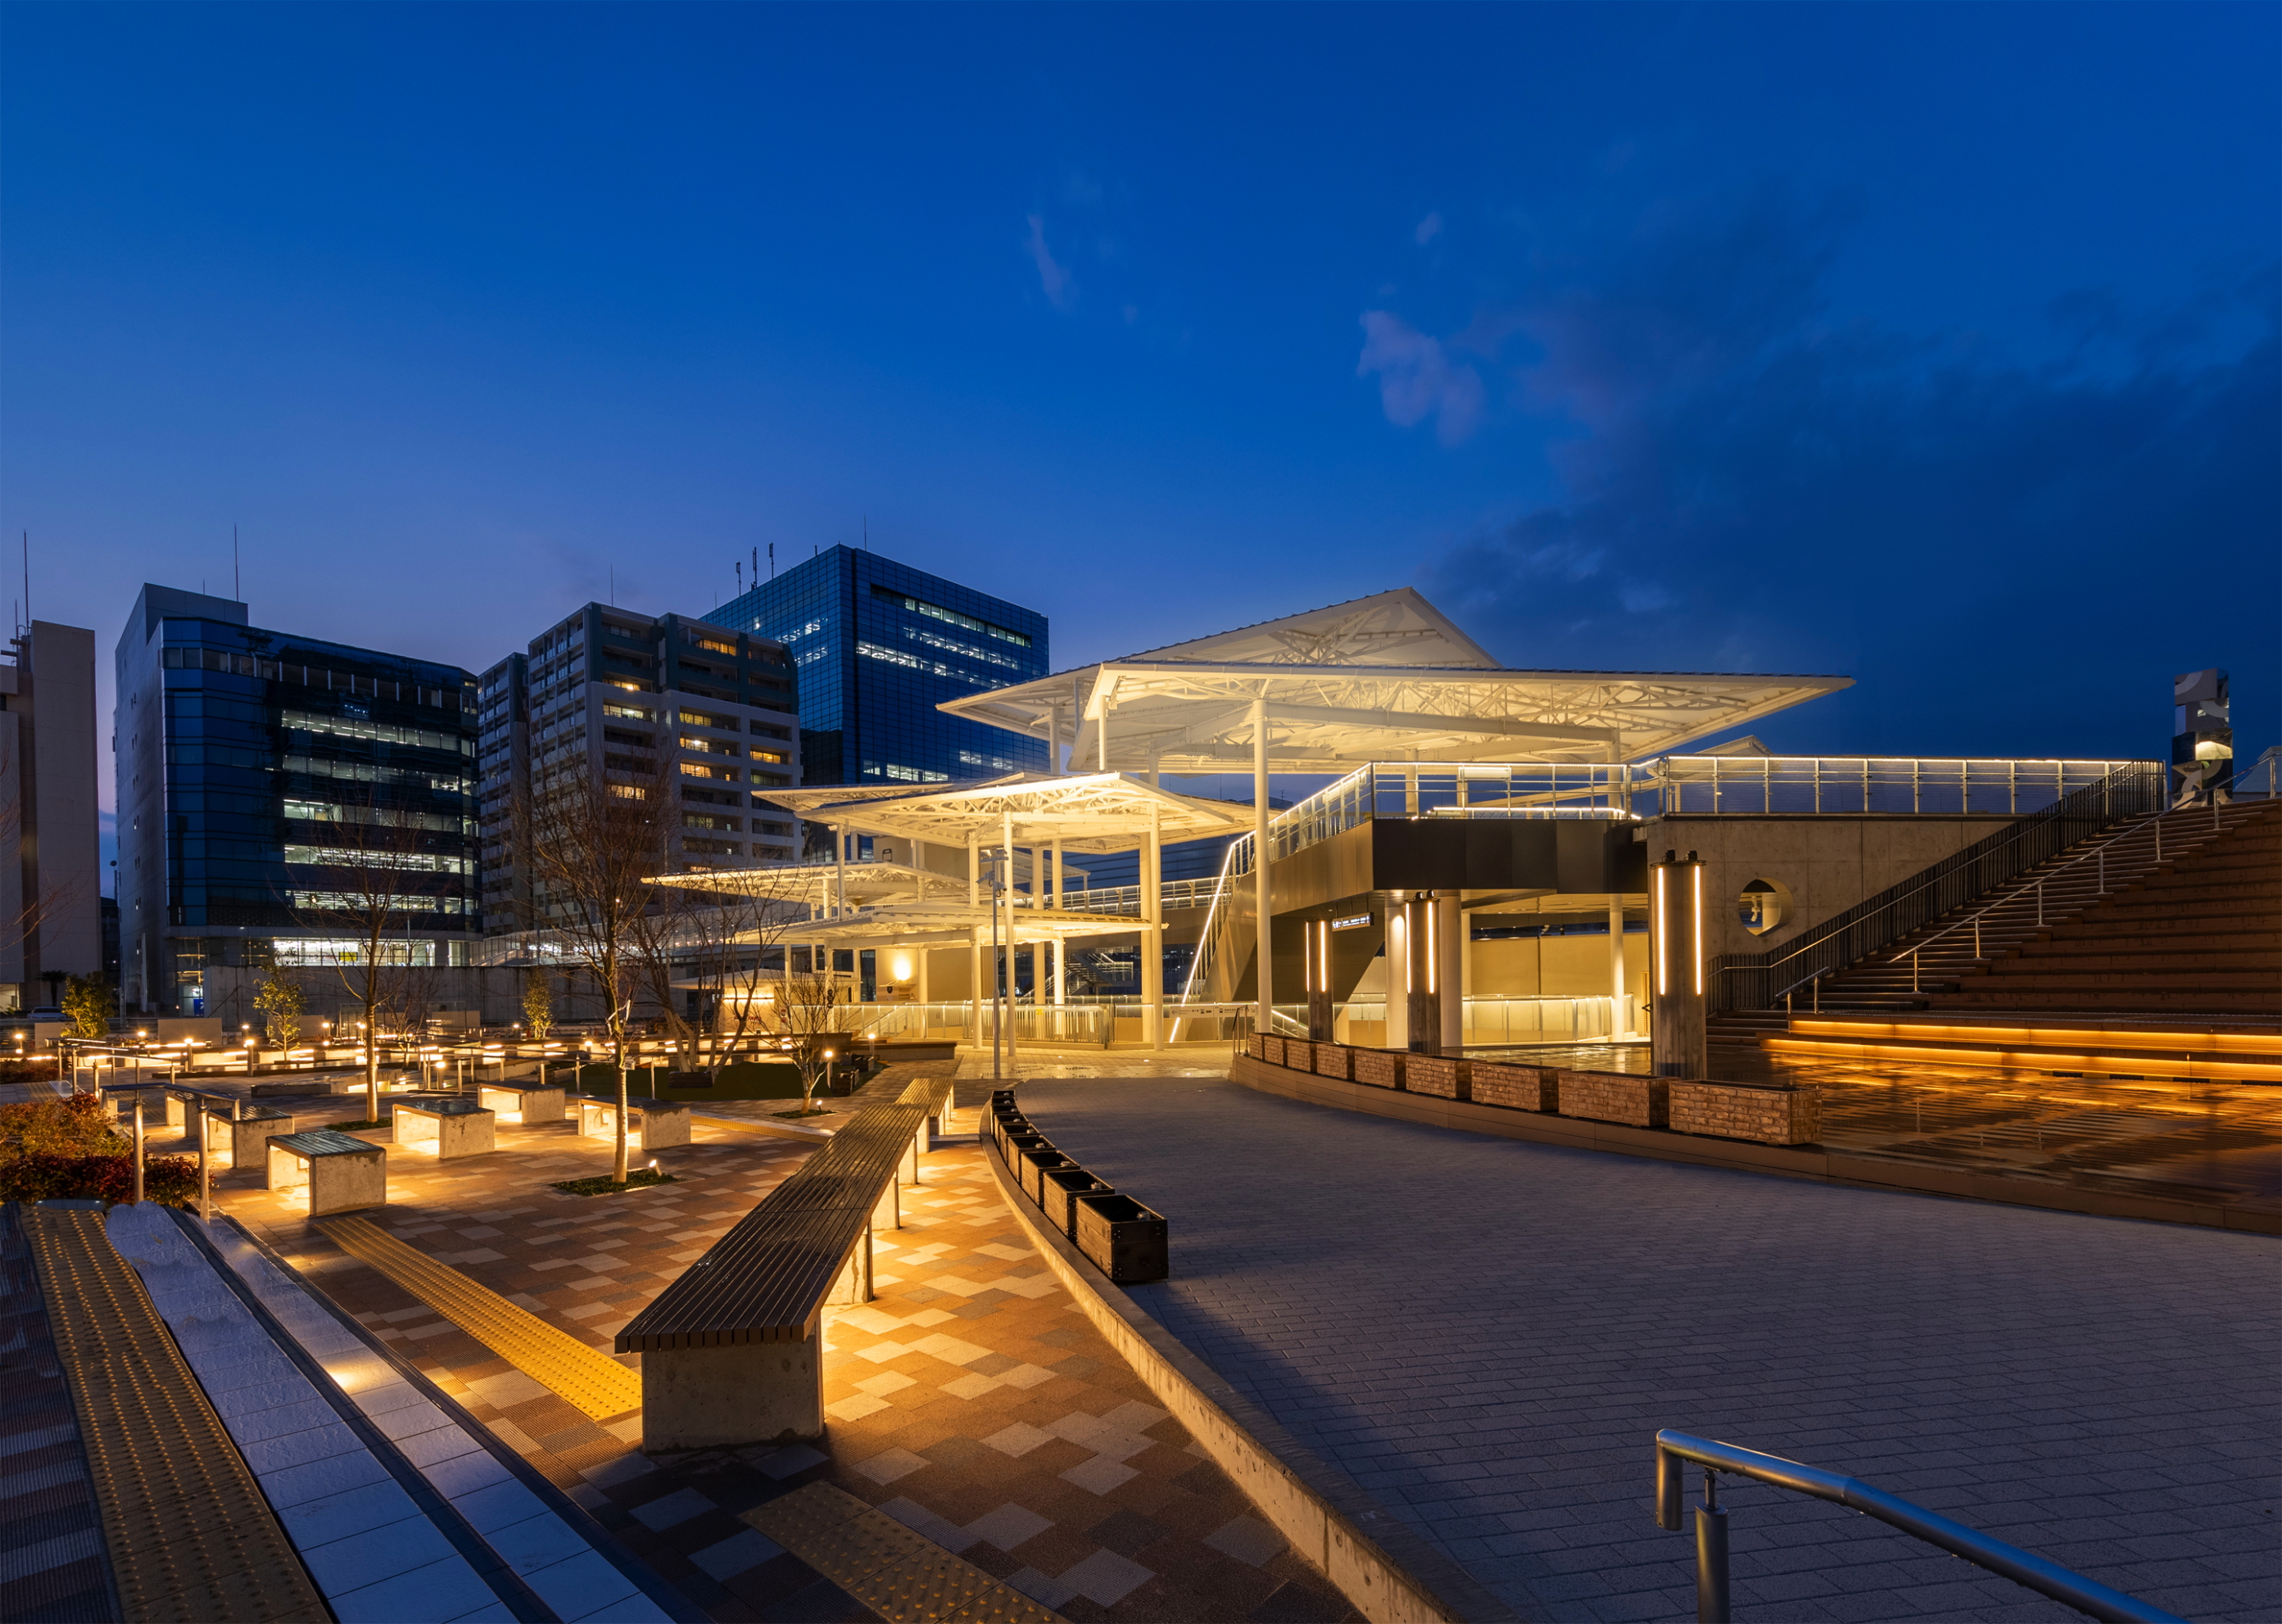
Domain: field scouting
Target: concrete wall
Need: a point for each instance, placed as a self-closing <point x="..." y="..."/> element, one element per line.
<point x="1826" y="864"/>
<point x="50" y="880"/>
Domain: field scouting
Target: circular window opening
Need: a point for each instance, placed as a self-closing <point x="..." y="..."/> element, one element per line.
<point x="1764" y="904"/>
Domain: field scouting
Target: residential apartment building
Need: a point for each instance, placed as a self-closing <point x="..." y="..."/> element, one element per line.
<point x="608" y="695"/>
<point x="879" y="644"/>
<point x="50" y="880"/>
<point x="256" y="769"/>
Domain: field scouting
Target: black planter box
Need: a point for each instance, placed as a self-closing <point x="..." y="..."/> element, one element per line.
<point x="1059" y="1187"/>
<point x="1120" y="1237"/>
<point x="1031" y="1163"/>
<point x="1004" y="1133"/>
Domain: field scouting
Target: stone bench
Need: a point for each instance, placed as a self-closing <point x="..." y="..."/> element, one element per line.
<point x="340" y="1173"/>
<point x="448" y="1127"/>
<point x="525" y="1102"/>
<point x="652" y="1124"/>
<point x="733" y="1350"/>
<point x="244" y="1135"/>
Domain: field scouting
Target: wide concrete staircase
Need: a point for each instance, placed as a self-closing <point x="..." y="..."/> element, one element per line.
<point x="2172" y="922"/>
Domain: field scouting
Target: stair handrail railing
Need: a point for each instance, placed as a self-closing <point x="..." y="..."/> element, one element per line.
<point x="1878" y="921"/>
<point x="2037" y="884"/>
<point x="1675" y="1450"/>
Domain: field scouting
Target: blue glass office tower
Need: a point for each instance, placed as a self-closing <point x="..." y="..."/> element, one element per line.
<point x="879" y="644"/>
<point x="242" y="755"/>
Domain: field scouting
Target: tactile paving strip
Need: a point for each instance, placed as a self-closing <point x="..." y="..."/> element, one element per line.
<point x="587" y="1377"/>
<point x="903" y="1577"/>
<point x="189" y="1535"/>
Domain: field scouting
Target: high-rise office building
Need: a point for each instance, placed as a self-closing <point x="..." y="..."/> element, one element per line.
<point x="50" y="884"/>
<point x="607" y="696"/>
<point x="879" y="644"/>
<point x="255" y="769"/>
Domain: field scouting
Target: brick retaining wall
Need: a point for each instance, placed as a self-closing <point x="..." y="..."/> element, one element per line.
<point x="1433" y="1074"/>
<point x="1529" y="1088"/>
<point x="1615" y="1096"/>
<point x="1768" y="1115"/>
<point x="1380" y="1068"/>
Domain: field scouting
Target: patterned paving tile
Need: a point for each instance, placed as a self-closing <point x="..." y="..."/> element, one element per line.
<point x="971" y="1401"/>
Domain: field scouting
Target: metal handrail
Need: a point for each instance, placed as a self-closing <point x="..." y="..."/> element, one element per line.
<point x="2038" y="884"/>
<point x="1847" y="937"/>
<point x="1673" y="1449"/>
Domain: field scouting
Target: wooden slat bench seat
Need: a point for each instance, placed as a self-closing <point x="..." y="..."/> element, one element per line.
<point x="733" y="1350"/>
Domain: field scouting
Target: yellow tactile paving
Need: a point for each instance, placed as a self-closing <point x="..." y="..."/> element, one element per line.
<point x="587" y="1377"/>
<point x="903" y="1577"/>
<point x="190" y="1536"/>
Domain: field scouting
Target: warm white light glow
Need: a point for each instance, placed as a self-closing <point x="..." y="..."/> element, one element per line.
<point x="1663" y="933"/>
<point x="1401" y="952"/>
<point x="1433" y="947"/>
<point x="900" y="967"/>
<point x="1699" y="929"/>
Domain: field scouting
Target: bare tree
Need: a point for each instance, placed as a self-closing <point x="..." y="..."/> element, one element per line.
<point x="383" y="869"/>
<point x="592" y="849"/>
<point x="805" y="1010"/>
<point x="729" y="940"/>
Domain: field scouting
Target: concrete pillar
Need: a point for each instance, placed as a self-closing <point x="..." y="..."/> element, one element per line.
<point x="1152" y="940"/>
<point x="1264" y="930"/>
<point x="1317" y="938"/>
<point x="1676" y="967"/>
<point x="1618" y="1026"/>
<point x="1449" y="978"/>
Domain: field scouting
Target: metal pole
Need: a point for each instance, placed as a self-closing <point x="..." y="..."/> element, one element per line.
<point x="998" y="1025"/>
<point x="1264" y="934"/>
<point x="1711" y="1606"/>
<point x="138" y="1149"/>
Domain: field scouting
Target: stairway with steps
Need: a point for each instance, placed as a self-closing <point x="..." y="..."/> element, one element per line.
<point x="2178" y="917"/>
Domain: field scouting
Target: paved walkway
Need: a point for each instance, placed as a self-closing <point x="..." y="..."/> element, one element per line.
<point x="972" y="1401"/>
<point x="1487" y="1334"/>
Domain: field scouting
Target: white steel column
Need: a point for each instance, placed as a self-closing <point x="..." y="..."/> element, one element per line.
<point x="1618" y="1027"/>
<point x="1006" y="1009"/>
<point x="1264" y="933"/>
<point x="974" y="938"/>
<point x="1152" y="939"/>
<point x="1062" y="901"/>
<point x="1398" y="974"/>
<point x="839" y="870"/>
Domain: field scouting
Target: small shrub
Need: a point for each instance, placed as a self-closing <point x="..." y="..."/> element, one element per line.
<point x="38" y="1175"/>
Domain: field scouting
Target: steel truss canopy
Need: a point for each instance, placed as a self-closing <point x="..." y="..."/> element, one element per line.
<point x="1093" y="812"/>
<point x="814" y="884"/>
<point x="945" y="923"/>
<point x="1384" y="678"/>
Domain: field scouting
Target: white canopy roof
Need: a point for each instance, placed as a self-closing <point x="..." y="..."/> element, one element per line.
<point x="918" y="925"/>
<point x="815" y="883"/>
<point x="1386" y="677"/>
<point x="1092" y="812"/>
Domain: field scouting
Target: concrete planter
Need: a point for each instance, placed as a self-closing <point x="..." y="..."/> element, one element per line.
<point x="1331" y="1061"/>
<point x="1381" y="1068"/>
<point x="1031" y="1163"/>
<point x="1436" y="1075"/>
<point x="1060" y="1187"/>
<point x="1765" y="1113"/>
<point x="1529" y="1088"/>
<point x="1121" y="1238"/>
<point x="1615" y="1096"/>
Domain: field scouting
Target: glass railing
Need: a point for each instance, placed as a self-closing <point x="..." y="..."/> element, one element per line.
<point x="1492" y="1022"/>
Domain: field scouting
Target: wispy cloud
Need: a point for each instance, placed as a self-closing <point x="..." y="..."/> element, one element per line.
<point x="1059" y="287"/>
<point x="1417" y="379"/>
<point x="1429" y="228"/>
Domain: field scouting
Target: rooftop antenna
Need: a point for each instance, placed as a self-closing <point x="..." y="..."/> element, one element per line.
<point x="741" y="577"/>
<point x="27" y="580"/>
<point x="236" y="587"/>
<point x="614" y="586"/>
<point x="867" y="532"/>
<point x="773" y="562"/>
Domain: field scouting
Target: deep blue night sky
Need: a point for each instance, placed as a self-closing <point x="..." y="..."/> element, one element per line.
<point x="1935" y="346"/>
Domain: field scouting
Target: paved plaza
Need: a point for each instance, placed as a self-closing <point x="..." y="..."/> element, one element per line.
<point x="972" y="1401"/>
<point x="1487" y="1334"/>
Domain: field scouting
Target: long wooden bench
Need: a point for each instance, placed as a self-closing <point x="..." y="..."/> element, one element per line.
<point x="733" y="1350"/>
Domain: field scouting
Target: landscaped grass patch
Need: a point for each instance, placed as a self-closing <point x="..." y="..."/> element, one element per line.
<point x="637" y="1178"/>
